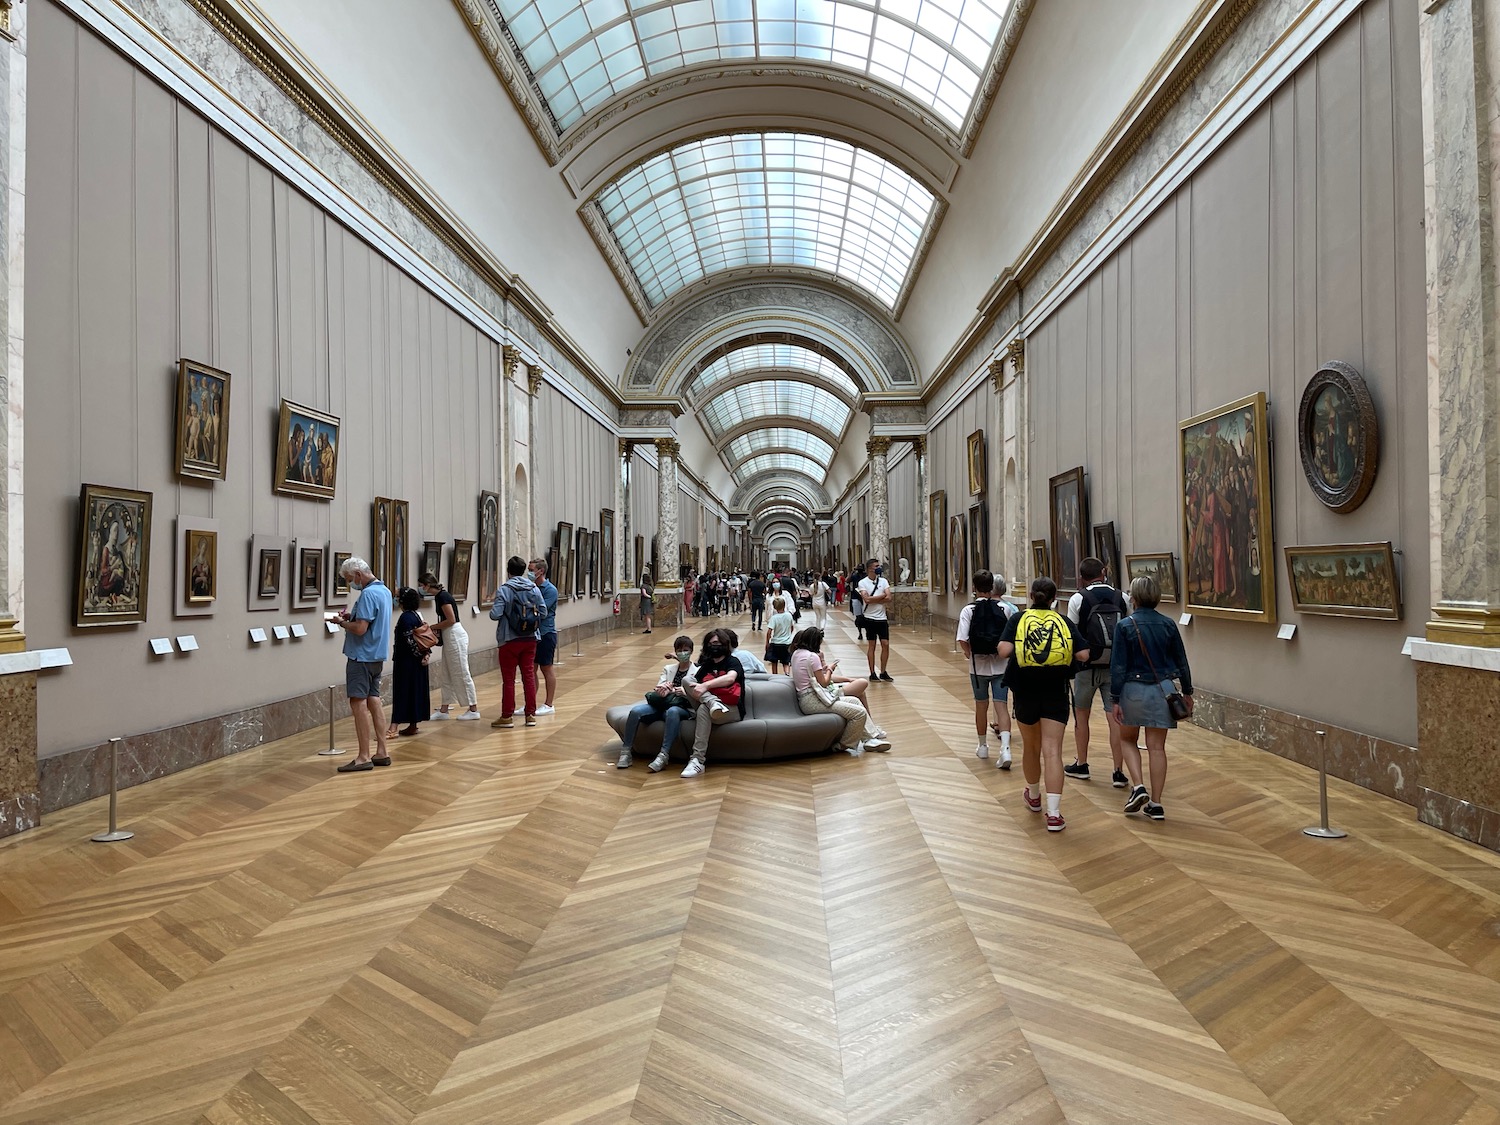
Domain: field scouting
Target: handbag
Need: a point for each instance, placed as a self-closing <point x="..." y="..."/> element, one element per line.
<point x="1178" y="705"/>
<point x="829" y="693"/>
<point x="424" y="639"/>
<point x="663" y="700"/>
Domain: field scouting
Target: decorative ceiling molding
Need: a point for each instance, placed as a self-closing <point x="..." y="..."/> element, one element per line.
<point x="763" y="485"/>
<point x="499" y="50"/>
<point x="698" y="396"/>
<point x="604" y="238"/>
<point x="777" y="421"/>
<point x="1004" y="50"/>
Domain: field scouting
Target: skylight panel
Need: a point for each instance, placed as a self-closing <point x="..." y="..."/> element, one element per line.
<point x="774" y="398"/>
<point x="787" y="462"/>
<point x="790" y="358"/>
<point x="780" y="437"/>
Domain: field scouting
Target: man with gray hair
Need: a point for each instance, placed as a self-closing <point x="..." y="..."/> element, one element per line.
<point x="367" y="633"/>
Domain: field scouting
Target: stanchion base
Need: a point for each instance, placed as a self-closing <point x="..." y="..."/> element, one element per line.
<point x="1325" y="833"/>
<point x="112" y="837"/>
<point x="331" y="752"/>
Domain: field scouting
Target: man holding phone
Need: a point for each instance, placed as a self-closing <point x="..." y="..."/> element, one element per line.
<point x="875" y="592"/>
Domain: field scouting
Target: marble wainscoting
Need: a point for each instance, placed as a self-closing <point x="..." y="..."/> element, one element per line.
<point x="20" y="800"/>
<point x="666" y="612"/>
<point x="1459" y="786"/>
<point x="1372" y="763"/>
<point x="908" y="606"/>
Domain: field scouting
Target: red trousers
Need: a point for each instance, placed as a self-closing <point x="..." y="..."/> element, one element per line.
<point x="518" y="654"/>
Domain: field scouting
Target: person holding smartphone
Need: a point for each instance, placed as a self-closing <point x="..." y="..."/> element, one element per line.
<point x="819" y="690"/>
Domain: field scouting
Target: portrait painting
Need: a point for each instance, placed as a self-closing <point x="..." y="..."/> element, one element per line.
<point x="979" y="537"/>
<point x="1161" y="566"/>
<point x="1041" y="560"/>
<point x="458" y="569"/>
<point x="1070" y="527"/>
<point x="307" y="452"/>
<point x="958" y="555"/>
<point x="594" y="583"/>
<point x="201" y="558"/>
<point x="114" y="556"/>
<point x="202" y="431"/>
<point x="581" y="562"/>
<point x="268" y="571"/>
<point x="1107" y="550"/>
<point x="606" y="553"/>
<point x="1338" y="436"/>
<point x="309" y="574"/>
<point x="1227" y="568"/>
<point x="489" y="548"/>
<point x="432" y="560"/>
<point x="1345" y="580"/>
<point x="976" y="463"/>
<point x="640" y="555"/>
<point x="553" y="562"/>
<point x="937" y="547"/>
<point x="397" y="575"/>
<point x="563" y="576"/>
<point x="338" y="585"/>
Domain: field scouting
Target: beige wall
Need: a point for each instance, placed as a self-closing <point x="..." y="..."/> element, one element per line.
<point x="1299" y="241"/>
<point x="948" y="465"/>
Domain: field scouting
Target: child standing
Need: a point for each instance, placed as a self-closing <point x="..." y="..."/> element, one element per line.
<point x="779" y="636"/>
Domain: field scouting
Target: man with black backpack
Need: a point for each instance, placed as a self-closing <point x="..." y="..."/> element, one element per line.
<point x="519" y="609"/>
<point x="981" y="624"/>
<point x="1096" y="610"/>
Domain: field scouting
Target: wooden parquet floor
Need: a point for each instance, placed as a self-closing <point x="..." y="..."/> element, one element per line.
<point x="503" y="928"/>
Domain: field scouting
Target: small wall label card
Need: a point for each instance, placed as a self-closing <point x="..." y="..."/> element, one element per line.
<point x="281" y="632"/>
<point x="160" y="646"/>
<point x="187" y="644"/>
<point x="1185" y="619"/>
<point x="257" y="636"/>
<point x="299" y="630"/>
<point x="1286" y="632"/>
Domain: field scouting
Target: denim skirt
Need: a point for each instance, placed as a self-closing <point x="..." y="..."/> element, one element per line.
<point x="1146" y="706"/>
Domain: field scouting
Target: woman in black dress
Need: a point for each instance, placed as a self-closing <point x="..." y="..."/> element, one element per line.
<point x="411" y="701"/>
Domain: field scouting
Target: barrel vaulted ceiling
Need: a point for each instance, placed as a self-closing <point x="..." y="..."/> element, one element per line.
<point x="718" y="144"/>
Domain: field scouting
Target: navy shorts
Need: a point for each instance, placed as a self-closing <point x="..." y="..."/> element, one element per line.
<point x="362" y="678"/>
<point x="546" y="650"/>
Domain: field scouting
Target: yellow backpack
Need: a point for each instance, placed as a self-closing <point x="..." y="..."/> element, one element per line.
<point x="1043" y="640"/>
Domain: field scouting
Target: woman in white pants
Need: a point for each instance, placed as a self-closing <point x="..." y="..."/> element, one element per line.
<point x="820" y="603"/>
<point x="453" y="667"/>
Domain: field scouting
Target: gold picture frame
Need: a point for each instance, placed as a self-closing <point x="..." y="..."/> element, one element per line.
<point x="937" y="542"/>
<point x="200" y="561"/>
<point x="114" y="556"/>
<point x="201" y="438"/>
<point x="307" y="449"/>
<point x="1160" y="565"/>
<point x="1345" y="580"/>
<point x="977" y="463"/>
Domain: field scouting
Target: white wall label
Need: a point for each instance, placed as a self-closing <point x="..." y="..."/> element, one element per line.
<point x="257" y="636"/>
<point x="161" y="645"/>
<point x="187" y="644"/>
<point x="281" y="632"/>
<point x="299" y="630"/>
<point x="1286" y="632"/>
<point x="1185" y="619"/>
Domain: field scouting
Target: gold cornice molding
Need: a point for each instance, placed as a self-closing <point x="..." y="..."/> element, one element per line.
<point x="1015" y="351"/>
<point x="498" y="52"/>
<point x="533" y="379"/>
<point x="1475" y="626"/>
<point x="594" y="222"/>
<point x="1004" y="50"/>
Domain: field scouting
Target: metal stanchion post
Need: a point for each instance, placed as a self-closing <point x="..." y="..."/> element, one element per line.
<point x="577" y="640"/>
<point x="332" y="750"/>
<point x="1321" y="829"/>
<point x="114" y="835"/>
<point x="929" y="626"/>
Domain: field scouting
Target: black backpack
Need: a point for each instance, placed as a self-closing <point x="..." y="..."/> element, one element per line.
<point x="1101" y="612"/>
<point x="521" y="613"/>
<point x="986" y="625"/>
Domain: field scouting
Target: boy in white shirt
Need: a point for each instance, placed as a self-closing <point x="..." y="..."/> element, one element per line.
<point x="986" y="668"/>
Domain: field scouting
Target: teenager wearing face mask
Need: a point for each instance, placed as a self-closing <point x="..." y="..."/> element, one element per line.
<point x="716" y="686"/>
<point x="646" y="711"/>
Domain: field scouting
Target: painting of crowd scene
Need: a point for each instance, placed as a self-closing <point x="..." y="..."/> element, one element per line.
<point x="1350" y="580"/>
<point x="1226" y="494"/>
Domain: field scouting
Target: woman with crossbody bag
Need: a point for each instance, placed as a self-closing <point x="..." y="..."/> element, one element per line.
<point x="820" y="690"/>
<point x="1148" y="655"/>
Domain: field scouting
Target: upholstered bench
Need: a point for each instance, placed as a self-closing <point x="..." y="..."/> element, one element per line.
<point x="773" y="727"/>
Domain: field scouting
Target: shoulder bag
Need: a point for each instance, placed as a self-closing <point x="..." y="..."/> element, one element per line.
<point x="1180" y="706"/>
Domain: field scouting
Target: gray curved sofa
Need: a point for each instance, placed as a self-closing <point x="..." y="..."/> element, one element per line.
<point x="773" y="727"/>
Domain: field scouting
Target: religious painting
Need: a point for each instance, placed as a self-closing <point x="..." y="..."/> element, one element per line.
<point x="458" y="569"/>
<point x="1107" y="550"/>
<point x="554" y="560"/>
<point x="336" y="588"/>
<point x="581" y="563"/>
<point x="1041" y="560"/>
<point x="594" y="563"/>
<point x="937" y="547"/>
<point x="268" y="573"/>
<point x="640" y="556"/>
<point x="979" y="537"/>
<point x="607" y="552"/>
<point x="114" y="556"/>
<point x="309" y="576"/>
<point x="958" y="555"/>
<point x="489" y="548"/>
<point x="1227" y="568"/>
<point x="564" y="573"/>
<point x="1338" y="437"/>
<point x="380" y="534"/>
<point x="307" y="452"/>
<point x="1345" y="580"/>
<point x="976" y="463"/>
<point x="432" y="560"/>
<point x="200" y="558"/>
<point x="1070" y="527"/>
<point x="399" y="575"/>
<point x="202" y="437"/>
<point x="1161" y="566"/>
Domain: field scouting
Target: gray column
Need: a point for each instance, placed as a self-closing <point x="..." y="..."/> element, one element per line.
<point x="533" y="388"/>
<point x="667" y="451"/>
<point x="623" y="528"/>
<point x="880" y="502"/>
<point x="1021" y="577"/>
<point x="921" y="562"/>
<point x="998" y="548"/>
<point x="12" y="318"/>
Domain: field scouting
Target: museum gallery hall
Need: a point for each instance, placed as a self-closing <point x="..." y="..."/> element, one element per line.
<point x="567" y="332"/>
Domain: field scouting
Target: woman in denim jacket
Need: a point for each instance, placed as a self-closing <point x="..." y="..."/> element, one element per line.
<point x="1140" y="699"/>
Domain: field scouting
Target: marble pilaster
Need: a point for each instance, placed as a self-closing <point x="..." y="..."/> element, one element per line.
<point x="533" y="388"/>
<point x="924" y="493"/>
<point x="623" y="577"/>
<point x="12" y="323"/>
<point x="879" y="449"/>
<point x="667" y="451"/>
<point x="1018" y="518"/>
<point x="994" y="472"/>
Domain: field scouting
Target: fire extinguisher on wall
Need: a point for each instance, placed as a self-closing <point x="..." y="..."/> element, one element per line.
<point x="617" y="607"/>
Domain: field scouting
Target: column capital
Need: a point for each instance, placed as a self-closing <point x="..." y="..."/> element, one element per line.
<point x="533" y="379"/>
<point x="1015" y="351"/>
<point x="919" y="445"/>
<point x="997" y="373"/>
<point x="510" y="359"/>
<point x="625" y="446"/>
<point x="878" y="446"/>
<point x="667" y="447"/>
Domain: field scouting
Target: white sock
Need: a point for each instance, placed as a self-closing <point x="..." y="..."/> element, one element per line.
<point x="984" y="744"/>
<point x="1005" y="742"/>
<point x="1054" y="804"/>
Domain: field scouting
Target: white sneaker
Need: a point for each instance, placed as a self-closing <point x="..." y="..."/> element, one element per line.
<point x="879" y="745"/>
<point x="982" y="751"/>
<point x="856" y="750"/>
<point x="438" y="716"/>
<point x="545" y="710"/>
<point x="1004" y="762"/>
<point x="693" y="768"/>
<point x="658" y="763"/>
<point x="466" y="717"/>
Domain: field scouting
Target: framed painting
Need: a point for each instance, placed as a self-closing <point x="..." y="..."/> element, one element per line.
<point x="380" y="537"/>
<point x="268" y="573"/>
<point x="1069" y="512"/>
<point x="307" y="452"/>
<point x="1107" y="550"/>
<point x="270" y="565"/>
<point x="458" y="569"/>
<point x="976" y="463"/>
<point x="489" y="548"/>
<point x="979" y="537"/>
<point x="1161" y="566"/>
<point x="1338" y="436"/>
<point x="937" y="547"/>
<point x="958" y="555"/>
<point x="581" y="562"/>
<point x="335" y="588"/>
<point x="606" y="553"/>
<point x="564" y="543"/>
<point x="114" y="556"/>
<point x="307" y="586"/>
<point x="1041" y="560"/>
<point x="399" y="575"/>
<point x="553" y="562"/>
<point x="432" y="560"/>
<point x="594" y="583"/>
<point x="200" y="557"/>
<point x="640" y="557"/>
<point x="1225" y="463"/>
<point x="202" y="431"/>
<point x="1345" y="580"/>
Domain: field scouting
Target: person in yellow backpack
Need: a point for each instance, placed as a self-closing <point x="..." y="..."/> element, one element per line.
<point x="1044" y="651"/>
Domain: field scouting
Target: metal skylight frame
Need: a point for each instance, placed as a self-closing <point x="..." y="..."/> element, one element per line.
<point x="804" y="362"/>
<point x="773" y="398"/>
<point x="748" y="445"/>
<point x="785" y="462"/>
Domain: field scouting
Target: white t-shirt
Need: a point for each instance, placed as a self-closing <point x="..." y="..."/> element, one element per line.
<point x="1075" y="603"/>
<point x="867" y="590"/>
<point x="819" y="593"/>
<point x="982" y="665"/>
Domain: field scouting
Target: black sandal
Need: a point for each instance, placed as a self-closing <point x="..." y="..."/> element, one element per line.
<point x="357" y="766"/>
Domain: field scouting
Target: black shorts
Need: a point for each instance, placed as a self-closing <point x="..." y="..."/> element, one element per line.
<point x="877" y="630"/>
<point x="778" y="654"/>
<point x="1032" y="706"/>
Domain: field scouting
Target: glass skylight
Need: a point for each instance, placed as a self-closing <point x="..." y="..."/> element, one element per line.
<point x="792" y="462"/>
<point x="774" y="357"/>
<point x="774" y="397"/>
<point x="583" y="52"/>
<point x="754" y="199"/>
<point x="779" y="437"/>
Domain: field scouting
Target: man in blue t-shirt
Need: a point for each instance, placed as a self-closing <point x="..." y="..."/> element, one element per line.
<point x="367" y="638"/>
<point x="546" y="645"/>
